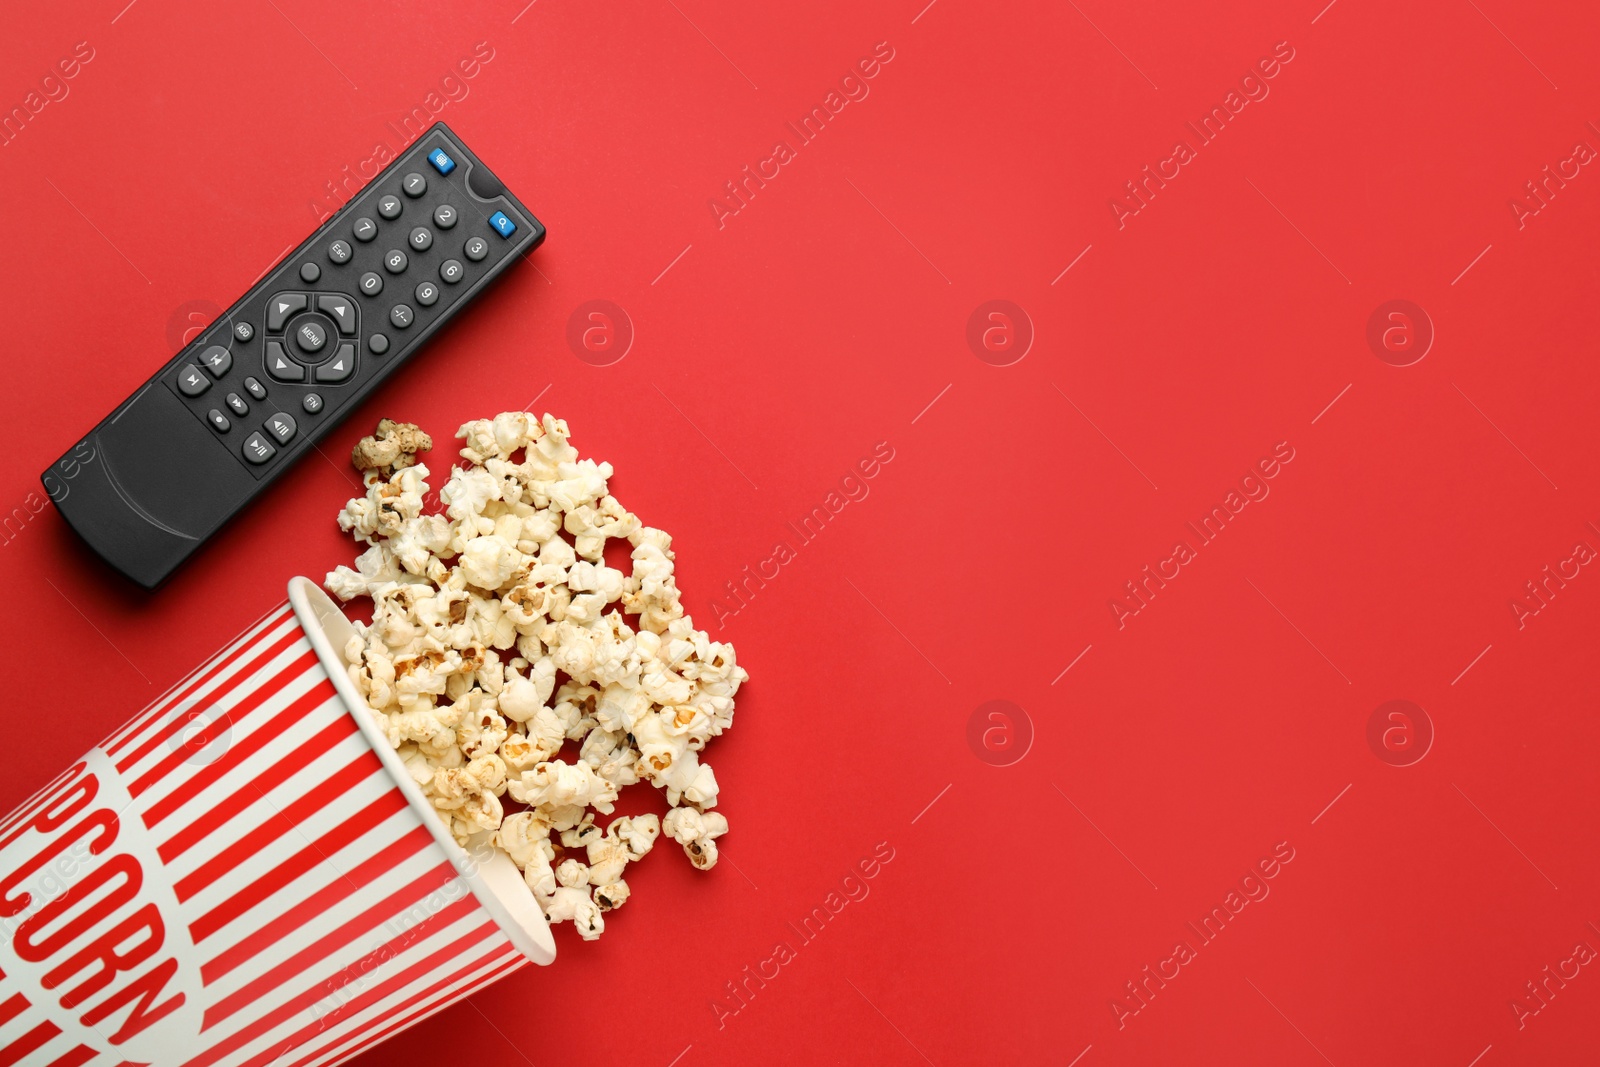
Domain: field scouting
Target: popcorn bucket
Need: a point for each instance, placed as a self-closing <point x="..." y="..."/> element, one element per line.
<point x="245" y="874"/>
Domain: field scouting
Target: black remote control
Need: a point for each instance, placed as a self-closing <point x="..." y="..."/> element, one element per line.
<point x="278" y="369"/>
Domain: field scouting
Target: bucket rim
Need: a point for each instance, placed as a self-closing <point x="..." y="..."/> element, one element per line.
<point x="491" y="875"/>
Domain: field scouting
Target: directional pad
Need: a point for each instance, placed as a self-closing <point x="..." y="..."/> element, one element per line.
<point x="308" y="329"/>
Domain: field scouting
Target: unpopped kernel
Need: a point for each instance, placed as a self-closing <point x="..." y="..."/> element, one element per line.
<point x="499" y="633"/>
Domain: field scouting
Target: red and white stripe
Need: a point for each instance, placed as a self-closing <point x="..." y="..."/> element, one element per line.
<point x="303" y="896"/>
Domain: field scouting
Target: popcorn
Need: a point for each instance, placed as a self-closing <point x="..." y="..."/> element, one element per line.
<point x="521" y="699"/>
<point x="476" y="611"/>
<point x="572" y="873"/>
<point x="522" y="836"/>
<point x="625" y="841"/>
<point x="393" y="447"/>
<point x="557" y="785"/>
<point x="697" y="834"/>
<point x="571" y="902"/>
<point x="489" y="562"/>
<point x="375" y="569"/>
<point x="611" y="757"/>
<point x="611" y="896"/>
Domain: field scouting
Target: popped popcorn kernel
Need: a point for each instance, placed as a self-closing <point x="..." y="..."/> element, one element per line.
<point x="392" y="447"/>
<point x="475" y="613"/>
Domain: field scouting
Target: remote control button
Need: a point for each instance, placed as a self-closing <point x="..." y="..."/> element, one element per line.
<point x="310" y="272"/>
<point x="340" y="367"/>
<point x="377" y="344"/>
<point x="311" y="402"/>
<point x="281" y="367"/>
<point x="280" y="307"/>
<point x="280" y="426"/>
<point x="421" y="239"/>
<point x="217" y="360"/>
<point x="243" y="331"/>
<point x="427" y="294"/>
<point x="343" y="312"/>
<point x="451" y="271"/>
<point x="389" y="207"/>
<point x="476" y="248"/>
<point x="394" y="261"/>
<point x="310" y="337"/>
<point x="441" y="162"/>
<point x="444" y="216"/>
<point x="237" y="405"/>
<point x="340" y="251"/>
<point x="502" y="225"/>
<point x="255" y="388"/>
<point x="191" y="382"/>
<point x="414" y="184"/>
<point x="219" y="422"/>
<point x="257" y="450"/>
<point x="365" y="230"/>
<point x="371" y="284"/>
<point x="401" y="315"/>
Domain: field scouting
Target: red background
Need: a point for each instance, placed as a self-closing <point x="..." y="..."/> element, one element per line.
<point x="1222" y="319"/>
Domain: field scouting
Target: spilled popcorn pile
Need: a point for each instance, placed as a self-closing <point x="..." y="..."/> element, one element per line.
<point x="495" y="639"/>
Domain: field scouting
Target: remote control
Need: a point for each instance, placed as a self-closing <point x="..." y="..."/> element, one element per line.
<point x="231" y="412"/>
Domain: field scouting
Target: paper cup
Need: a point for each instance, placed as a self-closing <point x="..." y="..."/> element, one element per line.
<point x="244" y="874"/>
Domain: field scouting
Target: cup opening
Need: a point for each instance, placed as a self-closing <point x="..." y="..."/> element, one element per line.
<point x="490" y="873"/>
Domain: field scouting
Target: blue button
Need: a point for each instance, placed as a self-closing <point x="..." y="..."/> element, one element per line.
<point x="441" y="162"/>
<point x="502" y="225"/>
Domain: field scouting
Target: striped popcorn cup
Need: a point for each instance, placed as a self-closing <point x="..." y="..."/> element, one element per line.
<point x="244" y="875"/>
